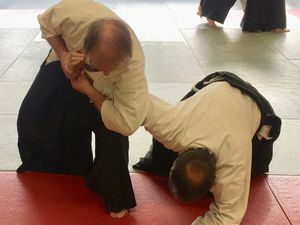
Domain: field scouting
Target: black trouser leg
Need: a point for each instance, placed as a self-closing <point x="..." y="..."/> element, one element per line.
<point x="264" y="15"/>
<point x="51" y="139"/>
<point x="216" y="10"/>
<point x="262" y="153"/>
<point x="158" y="159"/>
<point x="110" y="176"/>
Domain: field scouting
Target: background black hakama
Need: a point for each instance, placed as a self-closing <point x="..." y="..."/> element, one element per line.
<point x="216" y="10"/>
<point x="264" y="15"/>
<point x="55" y="124"/>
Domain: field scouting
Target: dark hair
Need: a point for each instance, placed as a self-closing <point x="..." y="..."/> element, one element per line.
<point x="193" y="174"/>
<point x="119" y="33"/>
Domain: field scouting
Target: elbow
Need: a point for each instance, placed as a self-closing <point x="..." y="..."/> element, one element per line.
<point x="129" y="129"/>
<point x="130" y="124"/>
<point x="120" y="125"/>
<point x="127" y="133"/>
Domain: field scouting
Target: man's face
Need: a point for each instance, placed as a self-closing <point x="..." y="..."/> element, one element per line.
<point x="100" y="62"/>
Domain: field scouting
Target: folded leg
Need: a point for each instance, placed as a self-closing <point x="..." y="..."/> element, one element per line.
<point x="50" y="137"/>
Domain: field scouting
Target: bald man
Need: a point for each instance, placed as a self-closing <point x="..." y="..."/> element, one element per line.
<point x="55" y="121"/>
<point x="220" y="134"/>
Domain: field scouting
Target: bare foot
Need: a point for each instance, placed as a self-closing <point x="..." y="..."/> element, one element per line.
<point x="118" y="214"/>
<point x="199" y="11"/>
<point x="280" y="30"/>
<point x="211" y="23"/>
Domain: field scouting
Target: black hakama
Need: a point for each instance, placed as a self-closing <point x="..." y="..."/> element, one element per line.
<point x="264" y="15"/>
<point x="216" y="10"/>
<point x="55" y="124"/>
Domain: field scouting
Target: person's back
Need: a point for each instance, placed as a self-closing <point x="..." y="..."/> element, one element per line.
<point x="207" y="118"/>
<point x="72" y="26"/>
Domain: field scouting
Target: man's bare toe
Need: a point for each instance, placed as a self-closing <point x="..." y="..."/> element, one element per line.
<point x="281" y="30"/>
<point x="118" y="214"/>
<point x="211" y="23"/>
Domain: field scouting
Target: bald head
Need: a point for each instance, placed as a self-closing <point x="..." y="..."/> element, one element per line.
<point x="193" y="174"/>
<point x="108" y="40"/>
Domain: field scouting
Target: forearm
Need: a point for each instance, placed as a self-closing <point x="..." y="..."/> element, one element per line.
<point x="58" y="45"/>
<point x="96" y="97"/>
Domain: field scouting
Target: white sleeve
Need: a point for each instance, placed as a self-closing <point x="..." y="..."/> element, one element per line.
<point x="231" y="193"/>
<point x="47" y="26"/>
<point x="127" y="110"/>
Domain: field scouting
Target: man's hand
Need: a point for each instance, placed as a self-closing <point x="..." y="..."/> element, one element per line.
<point x="82" y="83"/>
<point x="72" y="64"/>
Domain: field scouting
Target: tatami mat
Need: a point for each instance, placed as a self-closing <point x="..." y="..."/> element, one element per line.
<point x="48" y="199"/>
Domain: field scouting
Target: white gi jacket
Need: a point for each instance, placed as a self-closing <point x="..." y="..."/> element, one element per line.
<point x="222" y="119"/>
<point x="126" y="89"/>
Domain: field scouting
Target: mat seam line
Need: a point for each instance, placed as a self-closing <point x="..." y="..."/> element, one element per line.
<point x="266" y="179"/>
